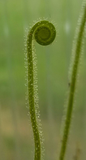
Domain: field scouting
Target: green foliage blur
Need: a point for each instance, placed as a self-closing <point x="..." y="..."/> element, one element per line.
<point x="16" y="139"/>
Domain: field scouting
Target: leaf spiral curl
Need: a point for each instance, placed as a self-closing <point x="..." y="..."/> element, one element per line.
<point x="45" y="33"/>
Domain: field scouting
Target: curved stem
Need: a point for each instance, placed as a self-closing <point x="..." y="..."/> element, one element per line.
<point x="31" y="97"/>
<point x="72" y="85"/>
<point x="44" y="33"/>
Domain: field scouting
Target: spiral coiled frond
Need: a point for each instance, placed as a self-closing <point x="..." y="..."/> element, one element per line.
<point x="44" y="33"/>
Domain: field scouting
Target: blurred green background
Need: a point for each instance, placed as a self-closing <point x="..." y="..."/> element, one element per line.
<point x="16" y="138"/>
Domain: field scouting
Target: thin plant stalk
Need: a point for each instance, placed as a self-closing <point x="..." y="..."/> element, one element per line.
<point x="72" y="85"/>
<point x="44" y="33"/>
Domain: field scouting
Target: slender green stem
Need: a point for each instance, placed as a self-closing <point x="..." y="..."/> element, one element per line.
<point x="44" y="33"/>
<point x="77" y="52"/>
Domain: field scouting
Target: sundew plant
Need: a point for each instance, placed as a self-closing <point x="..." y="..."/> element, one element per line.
<point x="42" y="80"/>
<point x="44" y="33"/>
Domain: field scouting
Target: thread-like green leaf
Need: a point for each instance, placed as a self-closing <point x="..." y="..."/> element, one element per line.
<point x="44" y="33"/>
<point x="77" y="51"/>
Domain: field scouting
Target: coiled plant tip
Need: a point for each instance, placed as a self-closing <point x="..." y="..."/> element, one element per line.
<point x="44" y="33"/>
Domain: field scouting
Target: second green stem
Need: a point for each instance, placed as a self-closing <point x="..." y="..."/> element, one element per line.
<point x="73" y="85"/>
